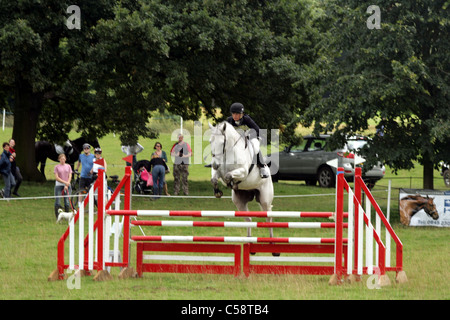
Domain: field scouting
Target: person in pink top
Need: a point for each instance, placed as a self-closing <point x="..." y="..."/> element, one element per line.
<point x="63" y="176"/>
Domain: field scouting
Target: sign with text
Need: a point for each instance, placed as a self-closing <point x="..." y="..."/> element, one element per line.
<point x="424" y="208"/>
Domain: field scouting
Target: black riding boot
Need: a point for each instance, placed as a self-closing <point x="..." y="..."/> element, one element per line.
<point x="264" y="170"/>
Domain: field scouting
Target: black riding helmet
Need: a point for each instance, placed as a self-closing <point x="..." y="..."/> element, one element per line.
<point x="237" y="108"/>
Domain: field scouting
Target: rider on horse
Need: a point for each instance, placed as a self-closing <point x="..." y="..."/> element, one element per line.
<point x="237" y="119"/>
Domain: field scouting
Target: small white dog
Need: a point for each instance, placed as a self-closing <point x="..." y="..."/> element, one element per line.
<point x="65" y="215"/>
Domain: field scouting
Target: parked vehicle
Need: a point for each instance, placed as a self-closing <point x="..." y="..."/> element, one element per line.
<point x="308" y="162"/>
<point x="445" y="172"/>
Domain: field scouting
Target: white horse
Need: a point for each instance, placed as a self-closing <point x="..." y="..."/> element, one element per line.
<point x="233" y="164"/>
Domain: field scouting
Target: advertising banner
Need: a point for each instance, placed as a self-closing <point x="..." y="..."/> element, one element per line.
<point x="424" y="208"/>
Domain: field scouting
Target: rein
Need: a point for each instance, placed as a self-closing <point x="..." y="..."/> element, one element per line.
<point x="70" y="198"/>
<point x="225" y="143"/>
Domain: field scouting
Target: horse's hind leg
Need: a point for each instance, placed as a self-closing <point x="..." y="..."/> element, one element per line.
<point x="265" y="202"/>
<point x="42" y="168"/>
<point x="265" y="198"/>
<point x="241" y="203"/>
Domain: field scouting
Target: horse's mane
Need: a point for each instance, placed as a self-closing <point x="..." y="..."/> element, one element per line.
<point x="412" y="197"/>
<point x="230" y="130"/>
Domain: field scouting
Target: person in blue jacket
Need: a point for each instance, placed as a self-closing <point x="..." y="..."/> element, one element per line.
<point x="5" y="170"/>
<point x="86" y="160"/>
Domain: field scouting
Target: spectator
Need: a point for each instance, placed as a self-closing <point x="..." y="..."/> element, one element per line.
<point x="63" y="176"/>
<point x="14" y="168"/>
<point x="96" y="166"/>
<point x="5" y="169"/>
<point x="86" y="160"/>
<point x="159" y="168"/>
<point x="160" y="153"/>
<point x="182" y="152"/>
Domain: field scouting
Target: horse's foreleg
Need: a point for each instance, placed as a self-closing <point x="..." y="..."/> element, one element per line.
<point x="237" y="174"/>
<point x="215" y="181"/>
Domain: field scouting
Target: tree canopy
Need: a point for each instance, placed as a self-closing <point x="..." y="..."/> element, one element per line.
<point x="312" y="62"/>
<point x="397" y="74"/>
<point x="129" y="58"/>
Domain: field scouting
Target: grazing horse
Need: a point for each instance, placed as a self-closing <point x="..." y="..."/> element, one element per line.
<point x="45" y="149"/>
<point x="412" y="204"/>
<point x="233" y="164"/>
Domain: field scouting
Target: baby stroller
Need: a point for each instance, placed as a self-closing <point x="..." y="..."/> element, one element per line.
<point x="144" y="180"/>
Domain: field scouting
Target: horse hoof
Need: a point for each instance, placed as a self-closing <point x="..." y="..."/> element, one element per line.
<point x="218" y="194"/>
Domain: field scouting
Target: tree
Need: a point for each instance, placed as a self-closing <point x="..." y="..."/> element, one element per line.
<point x="219" y="52"/>
<point x="397" y="75"/>
<point x="35" y="62"/>
<point x="130" y="57"/>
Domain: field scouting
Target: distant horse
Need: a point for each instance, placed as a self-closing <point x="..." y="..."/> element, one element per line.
<point x="232" y="163"/>
<point x="45" y="149"/>
<point x="412" y="204"/>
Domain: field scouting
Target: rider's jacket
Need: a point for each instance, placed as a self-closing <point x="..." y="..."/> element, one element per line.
<point x="246" y="120"/>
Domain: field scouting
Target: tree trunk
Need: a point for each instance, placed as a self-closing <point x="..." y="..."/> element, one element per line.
<point x="428" y="171"/>
<point x="26" y="115"/>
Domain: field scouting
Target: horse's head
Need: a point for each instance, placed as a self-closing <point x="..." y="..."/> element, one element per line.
<point x="218" y="143"/>
<point x="430" y="208"/>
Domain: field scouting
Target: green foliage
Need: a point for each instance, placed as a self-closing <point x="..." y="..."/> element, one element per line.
<point x="289" y="62"/>
<point x="397" y="74"/>
<point x="132" y="57"/>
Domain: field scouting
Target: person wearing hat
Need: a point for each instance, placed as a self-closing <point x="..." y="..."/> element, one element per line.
<point x="237" y="119"/>
<point x="96" y="166"/>
<point x="86" y="160"/>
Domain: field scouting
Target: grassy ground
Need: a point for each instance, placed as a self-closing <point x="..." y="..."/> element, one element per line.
<point x="29" y="236"/>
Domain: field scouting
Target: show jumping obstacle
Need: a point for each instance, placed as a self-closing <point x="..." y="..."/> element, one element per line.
<point x="345" y="258"/>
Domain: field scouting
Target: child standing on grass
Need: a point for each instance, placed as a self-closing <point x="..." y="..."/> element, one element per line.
<point x="63" y="176"/>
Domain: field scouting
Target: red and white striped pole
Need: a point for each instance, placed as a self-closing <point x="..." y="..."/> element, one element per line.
<point x="126" y="219"/>
<point x="230" y="224"/>
<point x="338" y="245"/>
<point x="357" y="201"/>
<point x="212" y="213"/>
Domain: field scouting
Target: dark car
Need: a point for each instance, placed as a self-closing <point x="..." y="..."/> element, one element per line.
<point x="308" y="162"/>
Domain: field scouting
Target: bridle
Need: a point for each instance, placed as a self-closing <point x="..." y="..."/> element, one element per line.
<point x="224" y="144"/>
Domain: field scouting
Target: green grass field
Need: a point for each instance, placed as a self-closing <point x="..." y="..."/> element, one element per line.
<point x="29" y="237"/>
